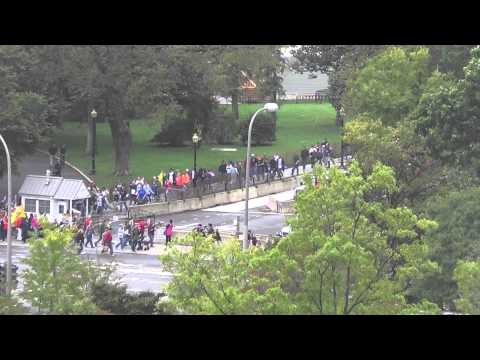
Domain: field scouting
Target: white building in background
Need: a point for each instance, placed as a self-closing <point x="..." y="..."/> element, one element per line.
<point x="54" y="197"/>
<point x="303" y="85"/>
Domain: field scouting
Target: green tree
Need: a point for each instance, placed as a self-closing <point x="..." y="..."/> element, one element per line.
<point x="113" y="298"/>
<point x="57" y="280"/>
<point x="233" y="64"/>
<point x="350" y="252"/>
<point x="355" y="253"/>
<point x="447" y="116"/>
<point x="449" y="58"/>
<point x="467" y="276"/>
<point x="398" y="146"/>
<point x="11" y="306"/>
<point x="26" y="119"/>
<point x="224" y="280"/>
<point x="390" y="84"/>
<point x="455" y="239"/>
<point x="338" y="62"/>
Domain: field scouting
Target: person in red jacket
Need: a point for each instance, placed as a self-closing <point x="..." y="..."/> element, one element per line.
<point x="107" y="240"/>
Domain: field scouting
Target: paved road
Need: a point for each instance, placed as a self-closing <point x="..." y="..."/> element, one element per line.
<point x="140" y="272"/>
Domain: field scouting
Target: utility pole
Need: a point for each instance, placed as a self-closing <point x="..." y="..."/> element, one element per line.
<point x="9" y="217"/>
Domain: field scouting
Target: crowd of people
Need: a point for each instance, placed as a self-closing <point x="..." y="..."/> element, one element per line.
<point x="22" y="225"/>
<point x="318" y="153"/>
<point x="138" y="235"/>
<point x="207" y="230"/>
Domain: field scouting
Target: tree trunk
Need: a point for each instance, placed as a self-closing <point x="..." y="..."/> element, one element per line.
<point x="235" y="105"/>
<point x="122" y="141"/>
<point x="89" y="145"/>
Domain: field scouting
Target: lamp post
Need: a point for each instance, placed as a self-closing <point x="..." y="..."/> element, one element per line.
<point x="93" y="114"/>
<point x="9" y="217"/>
<point x="269" y="107"/>
<point x="342" y="117"/>
<point x="195" y="139"/>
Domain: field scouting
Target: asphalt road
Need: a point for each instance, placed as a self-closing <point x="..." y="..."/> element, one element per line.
<point x="140" y="272"/>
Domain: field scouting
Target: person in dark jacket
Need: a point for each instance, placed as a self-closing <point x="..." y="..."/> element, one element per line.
<point x="79" y="239"/>
<point x="25" y="228"/>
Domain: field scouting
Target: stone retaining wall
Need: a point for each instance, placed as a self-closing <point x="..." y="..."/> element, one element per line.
<point x="220" y="198"/>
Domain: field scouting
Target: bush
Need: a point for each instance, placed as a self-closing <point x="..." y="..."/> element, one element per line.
<point x="114" y="299"/>
<point x="222" y="129"/>
<point x="264" y="129"/>
<point x="175" y="132"/>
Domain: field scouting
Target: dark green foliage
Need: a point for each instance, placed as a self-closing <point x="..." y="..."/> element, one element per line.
<point x="114" y="299"/>
<point x="264" y="129"/>
<point x="455" y="239"/>
<point x="449" y="58"/>
<point x="447" y="116"/>
<point x="223" y="129"/>
<point x="175" y="132"/>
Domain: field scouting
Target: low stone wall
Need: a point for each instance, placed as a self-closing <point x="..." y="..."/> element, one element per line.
<point x="220" y="198"/>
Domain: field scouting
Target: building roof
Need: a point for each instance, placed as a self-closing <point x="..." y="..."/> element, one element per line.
<point x="58" y="188"/>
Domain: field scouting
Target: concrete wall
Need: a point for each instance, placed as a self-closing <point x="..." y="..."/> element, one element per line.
<point x="220" y="198"/>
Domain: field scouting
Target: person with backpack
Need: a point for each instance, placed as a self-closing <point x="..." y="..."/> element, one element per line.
<point x="168" y="232"/>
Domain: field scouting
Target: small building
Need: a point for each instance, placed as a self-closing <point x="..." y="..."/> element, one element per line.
<point x="54" y="196"/>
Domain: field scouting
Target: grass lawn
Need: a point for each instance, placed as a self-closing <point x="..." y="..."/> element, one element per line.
<point x="298" y="126"/>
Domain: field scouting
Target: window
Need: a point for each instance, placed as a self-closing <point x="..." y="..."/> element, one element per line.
<point x="30" y="205"/>
<point x="44" y="206"/>
<point x="61" y="209"/>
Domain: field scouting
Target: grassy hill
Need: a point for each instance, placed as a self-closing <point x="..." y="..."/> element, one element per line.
<point x="298" y="125"/>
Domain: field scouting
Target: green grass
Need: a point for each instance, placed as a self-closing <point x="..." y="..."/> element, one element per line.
<point x="298" y="126"/>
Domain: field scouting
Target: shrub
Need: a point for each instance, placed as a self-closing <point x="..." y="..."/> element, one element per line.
<point x="113" y="298"/>
<point x="222" y="129"/>
<point x="263" y="132"/>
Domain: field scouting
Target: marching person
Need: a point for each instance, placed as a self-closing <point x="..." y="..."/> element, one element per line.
<point x="168" y="232"/>
<point x="151" y="232"/>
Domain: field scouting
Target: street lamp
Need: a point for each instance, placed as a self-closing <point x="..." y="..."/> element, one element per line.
<point x="342" y="117"/>
<point x="9" y="217"/>
<point x="93" y="114"/>
<point x="195" y="139"/>
<point x="269" y="107"/>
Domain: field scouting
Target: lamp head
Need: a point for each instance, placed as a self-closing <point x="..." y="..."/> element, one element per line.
<point x="93" y="114"/>
<point x="271" y="107"/>
<point x="195" y="138"/>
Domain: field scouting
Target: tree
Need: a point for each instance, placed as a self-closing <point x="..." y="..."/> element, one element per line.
<point x="449" y="59"/>
<point x="354" y="252"/>
<point x="233" y="64"/>
<point x="57" y="280"/>
<point x="26" y="119"/>
<point x="350" y="252"/>
<point x="113" y="298"/>
<point x="398" y="146"/>
<point x="390" y="84"/>
<point x="337" y="61"/>
<point x="224" y="280"/>
<point x="455" y="240"/>
<point x="467" y="276"/>
<point x="447" y="116"/>
<point x="11" y="306"/>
